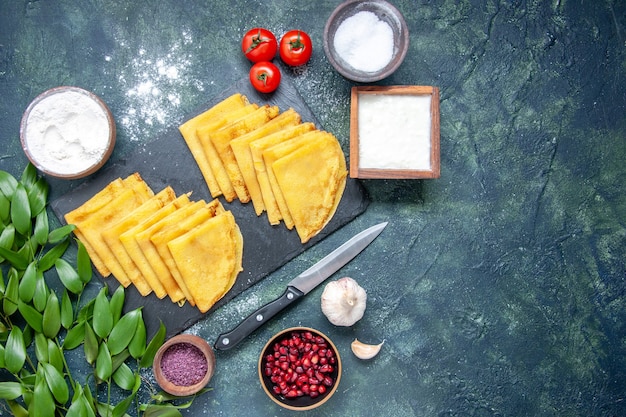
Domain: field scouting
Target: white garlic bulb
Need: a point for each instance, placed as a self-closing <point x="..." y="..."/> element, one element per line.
<point x="364" y="351"/>
<point x="343" y="301"/>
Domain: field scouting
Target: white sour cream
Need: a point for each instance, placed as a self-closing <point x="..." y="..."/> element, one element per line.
<point x="394" y="131"/>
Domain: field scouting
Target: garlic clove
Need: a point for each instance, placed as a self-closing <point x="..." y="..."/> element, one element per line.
<point x="364" y="351"/>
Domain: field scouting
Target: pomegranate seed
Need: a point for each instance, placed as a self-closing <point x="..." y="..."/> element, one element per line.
<point x="321" y="389"/>
<point x="326" y="369"/>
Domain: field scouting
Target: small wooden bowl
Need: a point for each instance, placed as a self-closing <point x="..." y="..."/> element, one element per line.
<point x="56" y="165"/>
<point x="390" y="141"/>
<point x="304" y="402"/>
<point x="187" y="341"/>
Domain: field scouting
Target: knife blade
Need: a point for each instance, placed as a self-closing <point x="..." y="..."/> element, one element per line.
<point x="300" y="286"/>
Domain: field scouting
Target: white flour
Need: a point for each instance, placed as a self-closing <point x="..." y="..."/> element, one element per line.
<point x="365" y="42"/>
<point x="67" y="132"/>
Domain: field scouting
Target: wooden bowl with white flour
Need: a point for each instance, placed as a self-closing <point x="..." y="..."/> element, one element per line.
<point x="67" y="132"/>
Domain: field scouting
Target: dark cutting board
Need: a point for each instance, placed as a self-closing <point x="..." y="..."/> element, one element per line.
<point x="168" y="161"/>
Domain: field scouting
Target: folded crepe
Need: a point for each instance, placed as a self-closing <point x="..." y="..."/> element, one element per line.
<point x="209" y="258"/>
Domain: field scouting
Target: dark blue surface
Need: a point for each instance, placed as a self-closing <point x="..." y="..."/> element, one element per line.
<point x="500" y="288"/>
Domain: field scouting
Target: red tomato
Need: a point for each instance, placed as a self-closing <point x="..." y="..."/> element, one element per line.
<point x="265" y="76"/>
<point x="296" y="48"/>
<point x="259" y="44"/>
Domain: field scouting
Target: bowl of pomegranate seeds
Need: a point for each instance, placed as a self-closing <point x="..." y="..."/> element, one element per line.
<point x="300" y="368"/>
<point x="183" y="365"/>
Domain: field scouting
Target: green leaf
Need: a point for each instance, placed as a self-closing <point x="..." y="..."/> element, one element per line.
<point x="5" y="208"/>
<point x="104" y="363"/>
<point x="28" y="335"/>
<point x="124" y="377"/>
<point x="37" y="196"/>
<point x="9" y="302"/>
<point x="80" y="405"/>
<point x="55" y="356"/>
<point x="119" y="359"/>
<point x="33" y="317"/>
<point x="8" y="183"/>
<point x="10" y="390"/>
<point x="41" y="347"/>
<point x="44" y="401"/>
<point x="20" y="210"/>
<point x="48" y="260"/>
<point x="90" y="344"/>
<point x="137" y="346"/>
<point x="16" y="259"/>
<point x="56" y="383"/>
<point x="67" y="310"/>
<point x="74" y="337"/>
<point x="83" y="263"/>
<point x="2" y="364"/>
<point x="7" y="237"/>
<point x="51" y="324"/>
<point x="86" y="312"/>
<point x="60" y="233"/>
<point x="41" y="228"/>
<point x="155" y="343"/>
<point x="120" y="409"/>
<point x="68" y="276"/>
<point x="166" y="410"/>
<point x="29" y="176"/>
<point x="102" y="316"/>
<point x="123" y="331"/>
<point x="91" y="401"/>
<point x="16" y="409"/>
<point x="117" y="303"/>
<point x="28" y="283"/>
<point x="15" y="351"/>
<point x="40" y="298"/>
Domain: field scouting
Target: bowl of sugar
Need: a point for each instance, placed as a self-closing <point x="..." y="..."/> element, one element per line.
<point x="67" y="132"/>
<point x="366" y="41"/>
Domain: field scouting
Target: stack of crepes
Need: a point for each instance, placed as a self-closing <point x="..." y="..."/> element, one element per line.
<point x="161" y="243"/>
<point x="288" y="168"/>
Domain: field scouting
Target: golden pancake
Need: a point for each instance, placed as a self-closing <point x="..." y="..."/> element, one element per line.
<point x="131" y="244"/>
<point x="312" y="180"/>
<point x="111" y="236"/>
<point x="189" y="128"/>
<point x="209" y="258"/>
<point x="241" y="150"/>
<point x="174" y="229"/>
<point x="256" y="150"/>
<point x="221" y="141"/>
<point x="215" y="162"/>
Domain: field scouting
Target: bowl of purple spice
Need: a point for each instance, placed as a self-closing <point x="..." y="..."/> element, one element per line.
<point x="184" y="365"/>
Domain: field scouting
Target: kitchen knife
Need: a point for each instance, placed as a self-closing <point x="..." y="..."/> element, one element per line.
<point x="301" y="285"/>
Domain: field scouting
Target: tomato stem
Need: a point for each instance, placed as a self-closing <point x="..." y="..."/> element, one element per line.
<point x="263" y="77"/>
<point x="256" y="41"/>
<point x="297" y="43"/>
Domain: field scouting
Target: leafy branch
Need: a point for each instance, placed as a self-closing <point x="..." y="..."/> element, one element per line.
<point x="39" y="326"/>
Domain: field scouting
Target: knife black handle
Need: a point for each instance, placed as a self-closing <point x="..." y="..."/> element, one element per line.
<point x="228" y="340"/>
